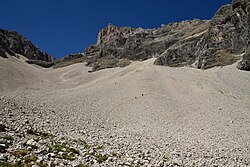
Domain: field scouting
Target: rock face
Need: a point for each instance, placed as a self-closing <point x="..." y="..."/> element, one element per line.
<point x="227" y="35"/>
<point x="118" y="43"/>
<point x="197" y="43"/>
<point x="13" y="43"/>
<point x="44" y="64"/>
<point x="69" y="60"/>
<point x="245" y="63"/>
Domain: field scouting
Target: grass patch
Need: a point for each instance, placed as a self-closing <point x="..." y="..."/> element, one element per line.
<point x="222" y="58"/>
<point x="100" y="147"/>
<point x="42" y="164"/>
<point x="29" y="159"/>
<point x="63" y="148"/>
<point x="44" y="135"/>
<point x="101" y="158"/>
<point x="32" y="132"/>
<point x="67" y="157"/>
<point x="113" y="154"/>
<point x="19" y="153"/>
<point x="84" y="143"/>
<point x="7" y="137"/>
<point x="124" y="62"/>
<point x="64" y="63"/>
<point x="8" y="164"/>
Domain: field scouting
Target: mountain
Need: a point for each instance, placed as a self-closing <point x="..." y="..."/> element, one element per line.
<point x="13" y="43"/>
<point x="201" y="44"/>
<point x="145" y="114"/>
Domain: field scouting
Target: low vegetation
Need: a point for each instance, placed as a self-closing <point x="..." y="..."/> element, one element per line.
<point x="223" y="58"/>
<point x="124" y="62"/>
<point x="84" y="143"/>
<point x="63" y="148"/>
<point x="59" y="64"/>
<point x="100" y="158"/>
<point x="19" y="153"/>
<point x="38" y="133"/>
<point x="7" y="164"/>
<point x="30" y="158"/>
<point x="7" y="137"/>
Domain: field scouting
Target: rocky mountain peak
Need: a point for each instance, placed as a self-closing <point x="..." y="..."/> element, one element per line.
<point x="111" y="32"/>
<point x="13" y="43"/>
<point x="198" y="43"/>
<point x="201" y="44"/>
<point x="117" y="43"/>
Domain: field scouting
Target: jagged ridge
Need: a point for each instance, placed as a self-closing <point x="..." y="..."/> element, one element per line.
<point x="198" y="43"/>
<point x="13" y="43"/>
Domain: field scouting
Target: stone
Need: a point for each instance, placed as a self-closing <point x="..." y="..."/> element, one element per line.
<point x="130" y="160"/>
<point x="161" y="164"/>
<point x="61" y="153"/>
<point x="110" y="159"/>
<point x="35" y="166"/>
<point x="3" y="148"/>
<point x="32" y="142"/>
<point x="3" y="157"/>
<point x="51" y="155"/>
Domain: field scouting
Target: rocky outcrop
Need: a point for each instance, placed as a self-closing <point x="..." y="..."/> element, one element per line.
<point x="69" y="60"/>
<point x="245" y="63"/>
<point x="226" y="36"/>
<point x="196" y="43"/>
<point x="118" y="43"/>
<point x="13" y="43"/>
<point x="41" y="63"/>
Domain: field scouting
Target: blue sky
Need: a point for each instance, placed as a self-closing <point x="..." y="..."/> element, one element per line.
<point x="61" y="27"/>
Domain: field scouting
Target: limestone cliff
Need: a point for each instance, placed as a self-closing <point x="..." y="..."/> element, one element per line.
<point x="13" y="43"/>
<point x="202" y="44"/>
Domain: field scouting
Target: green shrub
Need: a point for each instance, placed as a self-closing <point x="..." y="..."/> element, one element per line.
<point x="19" y="153"/>
<point x="100" y="158"/>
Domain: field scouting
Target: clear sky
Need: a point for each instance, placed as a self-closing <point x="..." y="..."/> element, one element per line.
<point x="61" y="27"/>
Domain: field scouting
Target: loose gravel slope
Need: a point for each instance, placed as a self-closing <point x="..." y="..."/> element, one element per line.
<point x="148" y="115"/>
